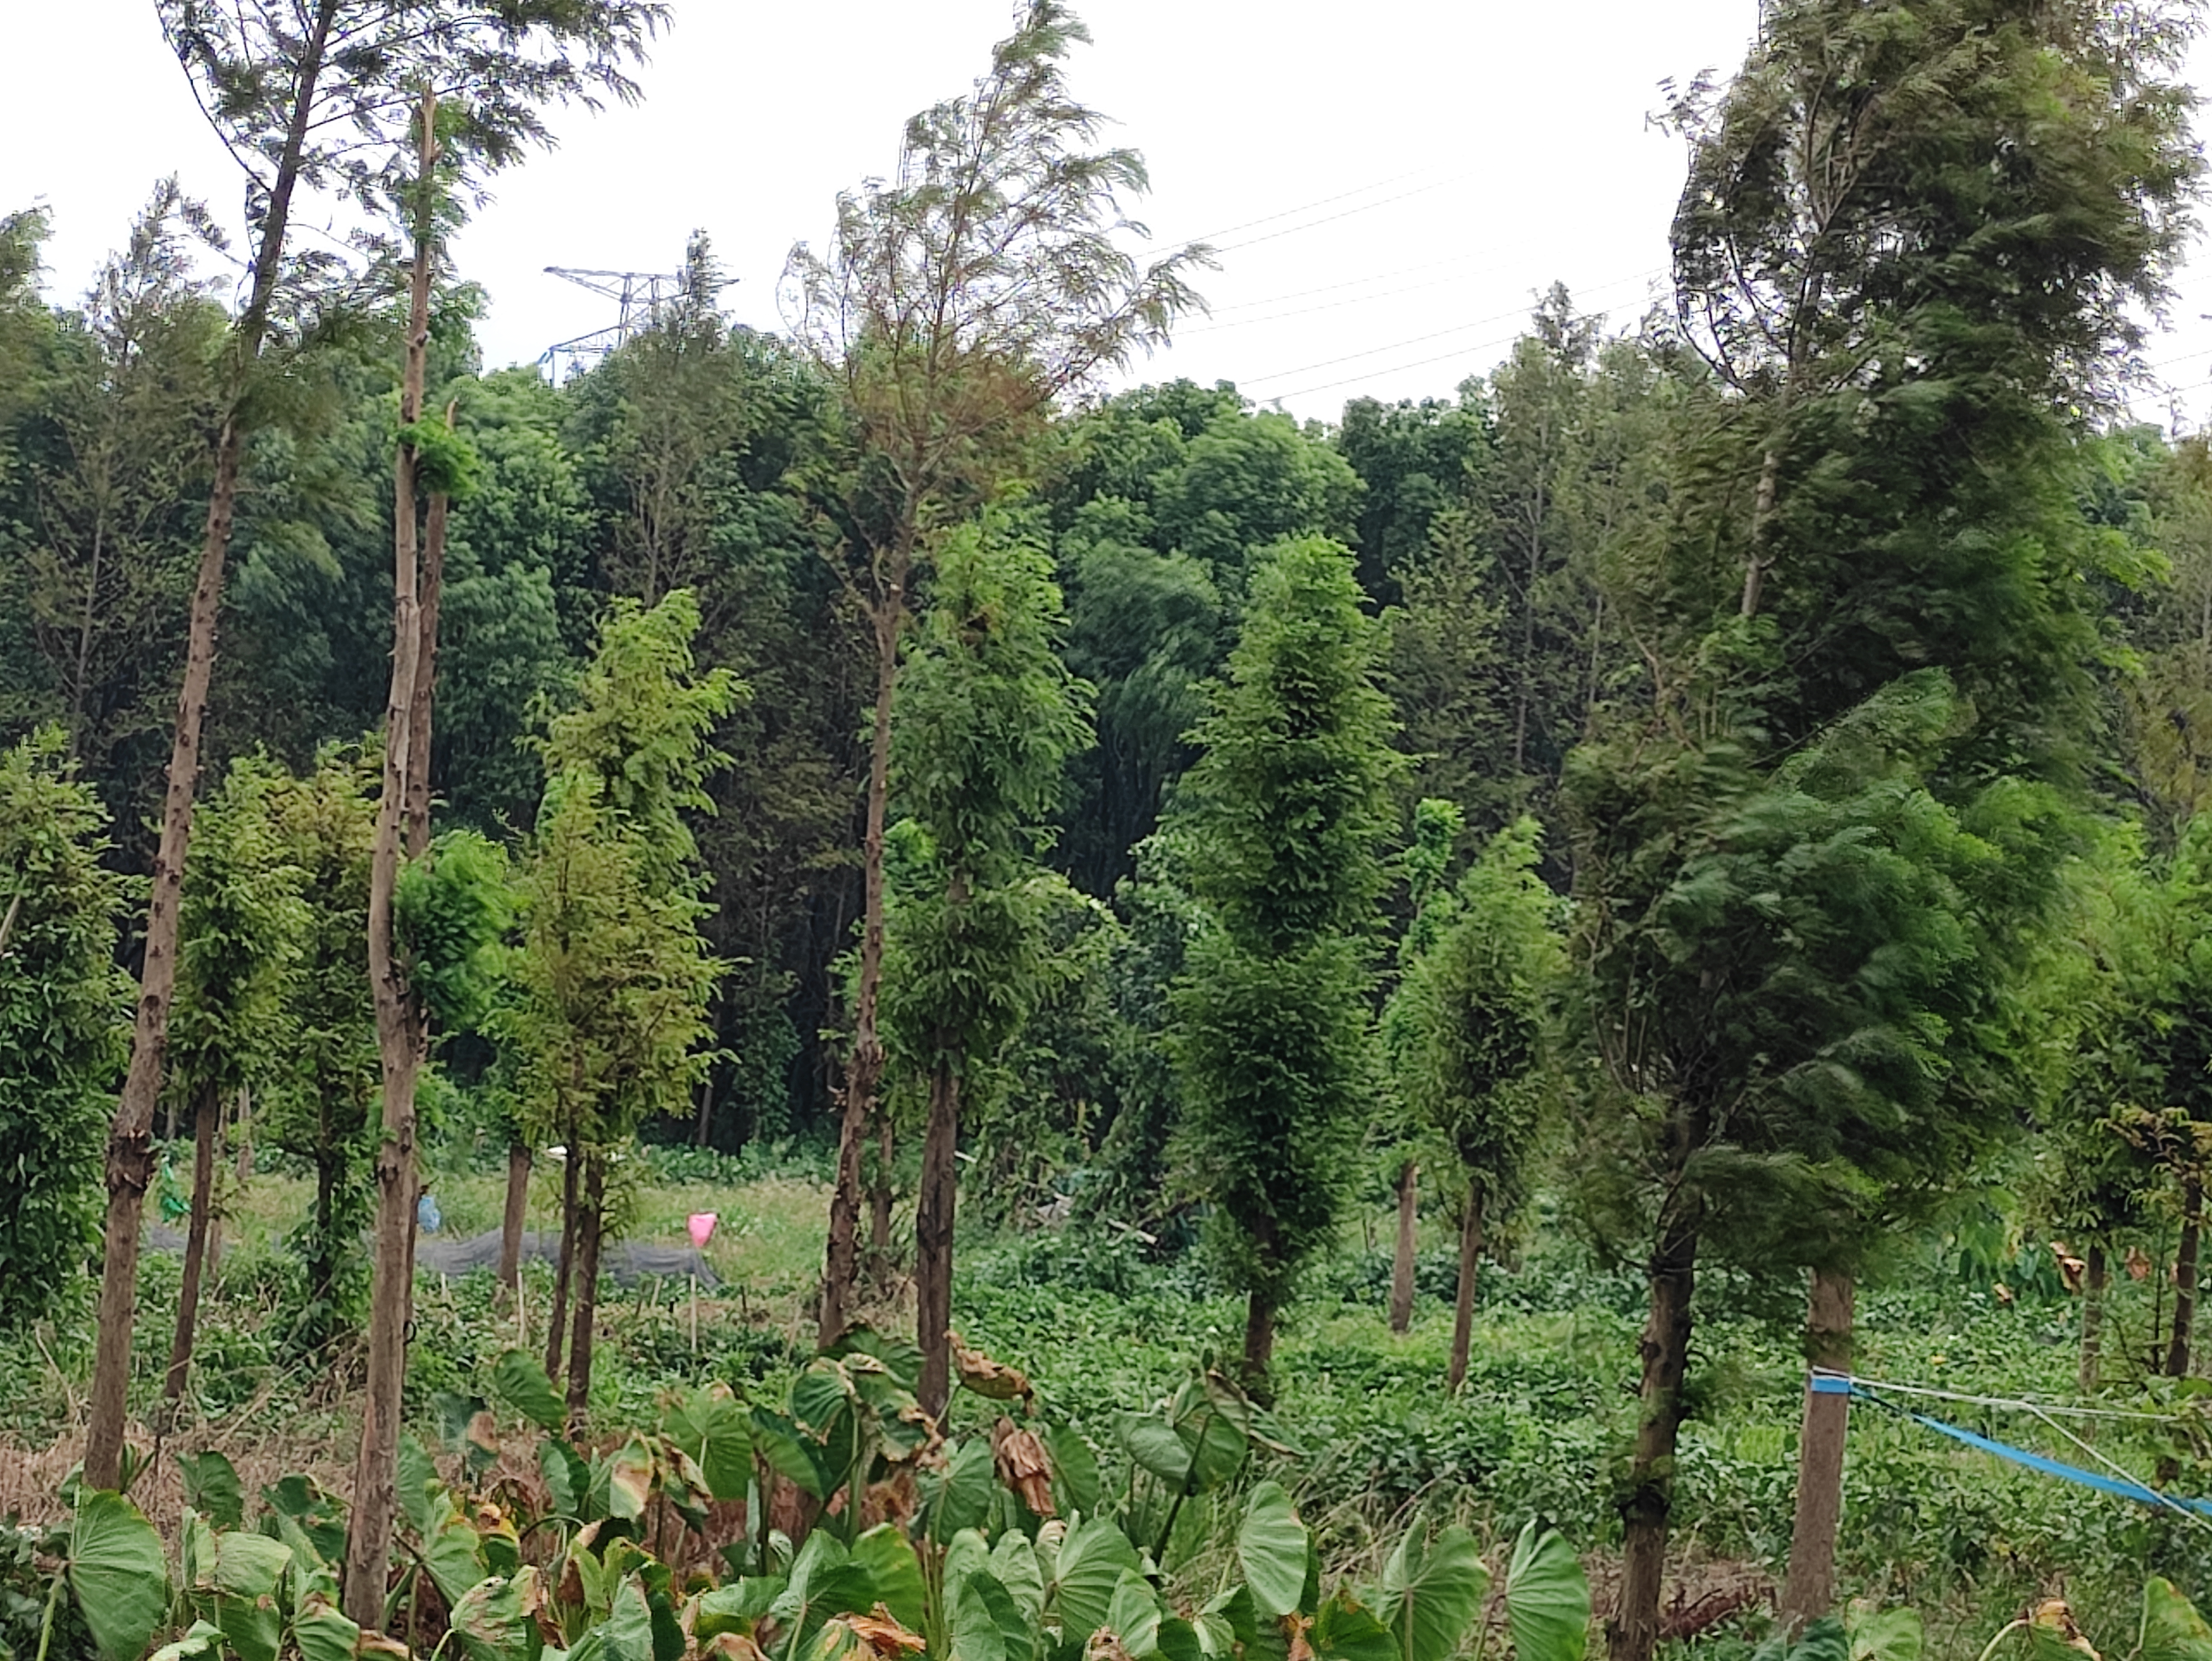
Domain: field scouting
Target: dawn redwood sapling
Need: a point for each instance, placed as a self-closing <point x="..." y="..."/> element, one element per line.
<point x="1285" y="812"/>
<point x="957" y="300"/>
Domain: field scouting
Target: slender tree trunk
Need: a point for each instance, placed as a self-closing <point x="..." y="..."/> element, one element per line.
<point x="879" y="1198"/>
<point x="865" y="1074"/>
<point x="1260" y="1345"/>
<point x="2095" y="1270"/>
<point x="557" y="1331"/>
<point x="129" y="1151"/>
<point x="1809" y="1591"/>
<point x="591" y="1226"/>
<point x="2184" y="1275"/>
<point x="207" y="1117"/>
<point x="517" y="1213"/>
<point x="245" y="1134"/>
<point x="1470" y="1270"/>
<point x="1633" y="1632"/>
<point x="323" y="1263"/>
<point x="933" y="1239"/>
<point x="426" y="672"/>
<point x="706" y="1110"/>
<point x="1401" y="1260"/>
<point x="401" y="1037"/>
<point x="81" y="675"/>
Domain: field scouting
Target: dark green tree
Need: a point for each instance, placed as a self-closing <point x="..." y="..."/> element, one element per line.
<point x="244" y="927"/>
<point x="63" y="1012"/>
<point x="1908" y="244"/>
<point x="988" y="719"/>
<point x="1284" y="810"/>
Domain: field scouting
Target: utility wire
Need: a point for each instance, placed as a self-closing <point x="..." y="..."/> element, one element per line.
<point x="1440" y="357"/>
<point x="1308" y="207"/>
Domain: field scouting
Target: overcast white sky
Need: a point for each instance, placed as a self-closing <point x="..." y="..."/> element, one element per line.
<point x="1389" y="182"/>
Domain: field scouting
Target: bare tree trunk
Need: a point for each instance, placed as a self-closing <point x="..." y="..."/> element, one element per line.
<point x="426" y="672"/>
<point x="706" y="1110"/>
<point x="517" y="1213"/>
<point x="2094" y="1271"/>
<point x="245" y="1134"/>
<point x="841" y="1269"/>
<point x="2184" y="1275"/>
<point x="879" y="1198"/>
<point x="207" y="1117"/>
<point x="556" y="1327"/>
<point x="1260" y="1345"/>
<point x="401" y="1035"/>
<point x="1401" y="1261"/>
<point x="1633" y="1632"/>
<point x="590" y="1223"/>
<point x="129" y="1151"/>
<point x="933" y="1239"/>
<point x="1809" y="1591"/>
<point x="1470" y="1271"/>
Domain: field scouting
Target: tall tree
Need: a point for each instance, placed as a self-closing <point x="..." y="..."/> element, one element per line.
<point x="61" y="1011"/>
<point x="959" y="297"/>
<point x="318" y="95"/>
<point x="608" y="1025"/>
<point x="1468" y="1029"/>
<point x="115" y="499"/>
<point x="978" y="754"/>
<point x="1271" y="1033"/>
<point x="1907" y="247"/>
<point x="243" y="924"/>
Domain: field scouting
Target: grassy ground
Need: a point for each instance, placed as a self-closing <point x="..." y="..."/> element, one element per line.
<point x="1540" y="1428"/>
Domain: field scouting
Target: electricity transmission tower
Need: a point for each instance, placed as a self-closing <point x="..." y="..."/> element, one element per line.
<point x="642" y="297"/>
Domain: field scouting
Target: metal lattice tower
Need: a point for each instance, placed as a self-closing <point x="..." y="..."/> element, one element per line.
<point x="642" y="296"/>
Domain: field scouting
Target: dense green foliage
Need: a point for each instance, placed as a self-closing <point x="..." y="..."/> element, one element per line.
<point x="1722" y="798"/>
<point x="62" y="1014"/>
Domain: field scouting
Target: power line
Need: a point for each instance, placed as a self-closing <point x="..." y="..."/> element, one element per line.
<point x="1438" y="334"/>
<point x="1316" y="224"/>
<point x="1308" y="207"/>
<point x="1338" y="304"/>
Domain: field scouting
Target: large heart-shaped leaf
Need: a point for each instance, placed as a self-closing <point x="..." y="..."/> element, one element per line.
<point x="987" y="1624"/>
<point x="1015" y="1564"/>
<point x="1547" y="1600"/>
<point x="1091" y="1559"/>
<point x="322" y="1634"/>
<point x="212" y="1488"/>
<point x="1134" y="1616"/>
<point x="1432" y="1592"/>
<point x="519" y="1381"/>
<point x="1271" y="1549"/>
<point x="453" y="1551"/>
<point x="1153" y="1444"/>
<point x="886" y="1555"/>
<point x="119" y="1574"/>
<point x="1879" y="1634"/>
<point x="791" y="1453"/>
<point x="961" y="1497"/>
<point x="712" y="1428"/>
<point x="497" y="1620"/>
<point x="1344" y="1630"/>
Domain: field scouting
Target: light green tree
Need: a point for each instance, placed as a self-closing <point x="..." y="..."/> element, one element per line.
<point x="608" y="1023"/>
<point x="1467" y="1030"/>
<point x="1285" y="810"/>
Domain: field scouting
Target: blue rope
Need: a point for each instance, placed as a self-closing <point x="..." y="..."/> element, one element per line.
<point x="1834" y="1385"/>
